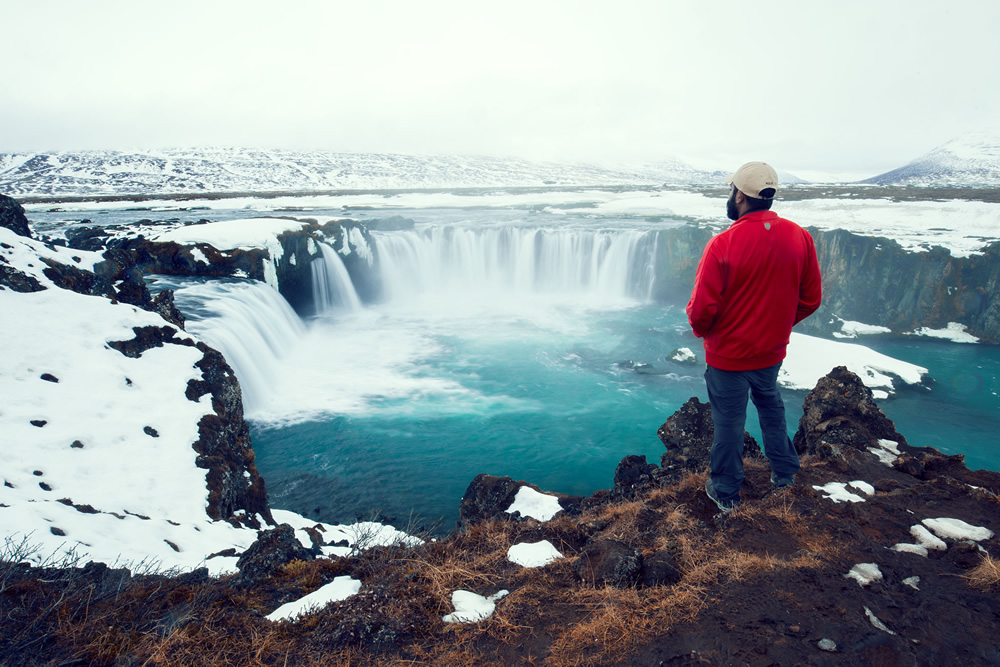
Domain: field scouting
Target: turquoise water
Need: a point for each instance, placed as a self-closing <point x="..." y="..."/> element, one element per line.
<point x="555" y="405"/>
<point x="558" y="408"/>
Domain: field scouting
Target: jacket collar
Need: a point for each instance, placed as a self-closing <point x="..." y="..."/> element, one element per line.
<point x="760" y="216"/>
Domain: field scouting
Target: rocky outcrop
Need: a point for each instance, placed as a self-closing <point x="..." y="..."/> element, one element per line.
<point x="687" y="434"/>
<point x="678" y="251"/>
<point x="236" y="491"/>
<point x="841" y="412"/>
<point x="489" y="497"/>
<point x="292" y="270"/>
<point x="273" y="549"/>
<point x="12" y="216"/>
<point x="861" y="282"/>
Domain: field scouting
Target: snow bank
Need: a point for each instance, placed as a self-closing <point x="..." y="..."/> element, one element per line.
<point x="810" y="358"/>
<point x="954" y="332"/>
<point x="98" y="447"/>
<point x="243" y="233"/>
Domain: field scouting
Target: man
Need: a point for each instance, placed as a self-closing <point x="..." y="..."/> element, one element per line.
<point x="755" y="281"/>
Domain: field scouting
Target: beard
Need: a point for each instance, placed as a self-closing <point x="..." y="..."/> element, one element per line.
<point x="731" y="211"/>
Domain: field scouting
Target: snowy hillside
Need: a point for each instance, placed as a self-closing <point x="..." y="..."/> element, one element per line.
<point x="244" y="170"/>
<point x="973" y="159"/>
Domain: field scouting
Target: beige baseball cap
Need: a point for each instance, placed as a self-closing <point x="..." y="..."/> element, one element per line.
<point x="755" y="178"/>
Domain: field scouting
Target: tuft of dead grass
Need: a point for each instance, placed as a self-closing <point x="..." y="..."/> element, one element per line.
<point x="986" y="575"/>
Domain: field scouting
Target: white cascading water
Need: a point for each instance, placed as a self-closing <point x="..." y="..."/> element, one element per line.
<point x="332" y="286"/>
<point x="593" y="264"/>
<point x="250" y="323"/>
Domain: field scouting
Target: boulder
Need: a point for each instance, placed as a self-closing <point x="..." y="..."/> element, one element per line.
<point x="687" y="434"/>
<point x="488" y="497"/>
<point x="609" y="562"/>
<point x="841" y="413"/>
<point x="273" y="549"/>
<point x="12" y="216"/>
<point x="632" y="475"/>
<point x="660" y="569"/>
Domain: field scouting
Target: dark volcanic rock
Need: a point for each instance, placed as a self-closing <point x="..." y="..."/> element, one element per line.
<point x="687" y="434"/>
<point x="236" y="489"/>
<point x="272" y="549"/>
<point x="87" y="238"/>
<point x="12" y="216"/>
<point x="840" y="412"/>
<point x="660" y="569"/>
<point x="224" y="446"/>
<point x="17" y="281"/>
<point x="632" y="475"/>
<point x="489" y="497"/>
<point x="609" y="562"/>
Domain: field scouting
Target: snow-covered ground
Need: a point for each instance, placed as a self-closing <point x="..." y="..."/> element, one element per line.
<point x="96" y="446"/>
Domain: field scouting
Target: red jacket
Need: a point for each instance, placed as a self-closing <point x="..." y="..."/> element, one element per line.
<point x="755" y="281"/>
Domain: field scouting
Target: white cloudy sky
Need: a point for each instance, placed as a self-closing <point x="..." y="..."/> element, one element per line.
<point x="852" y="86"/>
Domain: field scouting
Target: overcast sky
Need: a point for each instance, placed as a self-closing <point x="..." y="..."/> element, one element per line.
<point x="853" y="86"/>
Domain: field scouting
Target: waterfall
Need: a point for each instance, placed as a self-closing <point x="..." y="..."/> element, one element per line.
<point x="332" y="286"/>
<point x="585" y="263"/>
<point x="250" y="323"/>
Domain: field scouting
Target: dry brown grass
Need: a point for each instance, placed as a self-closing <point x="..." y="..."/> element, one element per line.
<point x="986" y="575"/>
<point x="615" y="622"/>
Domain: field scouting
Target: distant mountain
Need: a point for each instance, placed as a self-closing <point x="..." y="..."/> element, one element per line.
<point x="972" y="159"/>
<point x="200" y="171"/>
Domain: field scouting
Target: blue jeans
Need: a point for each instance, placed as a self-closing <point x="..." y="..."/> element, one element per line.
<point x="727" y="392"/>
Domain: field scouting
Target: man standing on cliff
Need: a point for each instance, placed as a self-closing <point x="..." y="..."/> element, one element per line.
<point x="755" y="281"/>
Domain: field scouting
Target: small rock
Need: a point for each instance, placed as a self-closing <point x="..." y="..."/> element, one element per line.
<point x="609" y="561"/>
<point x="827" y="645"/>
<point x="57" y="531"/>
<point x="49" y="377"/>
<point x="38" y="422"/>
<point x="77" y="444"/>
<point x="150" y="431"/>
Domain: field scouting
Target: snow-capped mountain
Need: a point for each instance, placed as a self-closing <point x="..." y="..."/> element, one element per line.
<point x="972" y="159"/>
<point x="244" y="170"/>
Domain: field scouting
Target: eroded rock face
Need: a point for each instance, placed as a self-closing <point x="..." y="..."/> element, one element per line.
<point x="12" y="216"/>
<point x="236" y="491"/>
<point x="687" y="434"/>
<point x="273" y="549"/>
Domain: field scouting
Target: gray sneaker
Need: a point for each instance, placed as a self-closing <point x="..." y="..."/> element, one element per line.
<point x="782" y="482"/>
<point x="725" y="506"/>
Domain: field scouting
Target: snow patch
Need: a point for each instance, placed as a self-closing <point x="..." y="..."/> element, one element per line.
<point x="340" y="588"/>
<point x="956" y="529"/>
<point x="877" y="623"/>
<point x="838" y="493"/>
<point x="472" y="608"/>
<point x="809" y="359"/>
<point x="533" y="554"/>
<point x="865" y="573"/>
<point x="683" y="355"/>
<point x="954" y="332"/>
<point x="537" y="505"/>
